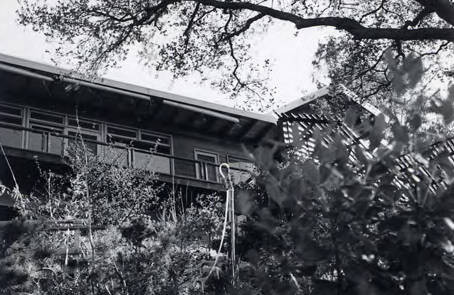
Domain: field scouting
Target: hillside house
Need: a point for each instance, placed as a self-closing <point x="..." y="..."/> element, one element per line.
<point x="44" y="108"/>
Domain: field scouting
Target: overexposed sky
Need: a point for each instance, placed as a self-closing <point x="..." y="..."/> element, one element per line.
<point x="291" y="74"/>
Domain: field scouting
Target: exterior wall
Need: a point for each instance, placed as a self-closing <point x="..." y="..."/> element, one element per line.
<point x="180" y="161"/>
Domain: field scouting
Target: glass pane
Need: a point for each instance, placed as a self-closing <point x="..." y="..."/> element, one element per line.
<point x="89" y="142"/>
<point x="115" y="156"/>
<point x="46" y="142"/>
<point x="11" y="137"/>
<point x="120" y="140"/>
<point x="146" y="146"/>
<point x="155" y="138"/>
<point x="206" y="158"/>
<point x="46" y="117"/>
<point x="211" y="172"/>
<point x="152" y="163"/>
<point x="84" y="124"/>
<point x="207" y="171"/>
<point x="121" y="132"/>
<point x="163" y="149"/>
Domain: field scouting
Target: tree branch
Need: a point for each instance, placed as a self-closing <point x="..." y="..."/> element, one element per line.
<point x="187" y="32"/>
<point x="349" y="25"/>
<point x="373" y="11"/>
<point x="419" y="17"/>
<point x="443" y="8"/>
<point x="244" y="28"/>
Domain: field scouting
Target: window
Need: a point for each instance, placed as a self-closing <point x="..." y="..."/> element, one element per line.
<point x="152" y="143"/>
<point x="156" y="142"/>
<point x="10" y="116"/>
<point x="207" y="168"/>
<point x="123" y="137"/>
<point x="83" y="124"/>
<point x="48" y="126"/>
<point x="86" y="130"/>
<point x="89" y="141"/>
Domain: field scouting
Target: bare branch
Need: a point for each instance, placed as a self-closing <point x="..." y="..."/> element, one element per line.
<point x="245" y="27"/>
<point x="419" y="17"/>
<point x="187" y="32"/>
<point x="347" y="24"/>
<point x="372" y="11"/>
<point x="443" y="8"/>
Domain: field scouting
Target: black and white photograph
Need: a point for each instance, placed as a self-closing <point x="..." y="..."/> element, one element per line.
<point x="223" y="147"/>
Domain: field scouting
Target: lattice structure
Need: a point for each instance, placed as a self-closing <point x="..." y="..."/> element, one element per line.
<point x="409" y="169"/>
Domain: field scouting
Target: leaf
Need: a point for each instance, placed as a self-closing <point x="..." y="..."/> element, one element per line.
<point x="310" y="252"/>
<point x="244" y="202"/>
<point x="351" y="117"/>
<point x="359" y="153"/>
<point x="415" y="122"/>
<point x="341" y="152"/>
<point x="324" y="287"/>
<point x="449" y="222"/>
<point x="310" y="172"/>
<point x="400" y="133"/>
<point x="444" y="107"/>
<point x="377" y="132"/>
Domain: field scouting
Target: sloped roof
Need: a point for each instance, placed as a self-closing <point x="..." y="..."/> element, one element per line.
<point x="325" y="92"/>
<point x="49" y="73"/>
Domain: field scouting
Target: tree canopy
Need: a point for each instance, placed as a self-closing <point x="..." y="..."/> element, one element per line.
<point x="202" y="35"/>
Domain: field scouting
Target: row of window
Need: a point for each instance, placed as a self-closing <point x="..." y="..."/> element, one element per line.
<point x="88" y="129"/>
<point x="139" y="141"/>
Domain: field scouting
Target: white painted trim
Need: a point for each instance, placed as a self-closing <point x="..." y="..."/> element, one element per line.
<point x="205" y="153"/>
<point x="302" y="100"/>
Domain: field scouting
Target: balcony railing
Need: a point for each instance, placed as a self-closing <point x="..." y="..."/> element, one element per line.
<point x="57" y="143"/>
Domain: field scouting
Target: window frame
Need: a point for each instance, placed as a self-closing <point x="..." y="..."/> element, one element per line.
<point x="204" y="152"/>
<point x="21" y="116"/>
<point x="63" y="127"/>
<point x="157" y="134"/>
<point x="98" y="133"/>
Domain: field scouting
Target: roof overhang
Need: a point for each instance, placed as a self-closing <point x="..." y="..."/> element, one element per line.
<point x="51" y="73"/>
<point x="325" y="92"/>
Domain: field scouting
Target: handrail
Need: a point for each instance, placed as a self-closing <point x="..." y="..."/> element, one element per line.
<point x="56" y="134"/>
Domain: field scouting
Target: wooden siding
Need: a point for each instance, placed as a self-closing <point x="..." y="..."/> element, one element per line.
<point x="181" y="160"/>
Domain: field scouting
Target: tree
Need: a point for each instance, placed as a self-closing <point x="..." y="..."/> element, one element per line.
<point x="353" y="218"/>
<point x="204" y="35"/>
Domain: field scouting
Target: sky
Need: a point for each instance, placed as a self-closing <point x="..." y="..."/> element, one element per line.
<point x="291" y="56"/>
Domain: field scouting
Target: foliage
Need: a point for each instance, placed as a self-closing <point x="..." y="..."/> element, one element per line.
<point x="102" y="187"/>
<point x="100" y="230"/>
<point x="209" y="35"/>
<point x="348" y="220"/>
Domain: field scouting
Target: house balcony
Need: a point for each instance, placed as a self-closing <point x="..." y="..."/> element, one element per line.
<point x="54" y="146"/>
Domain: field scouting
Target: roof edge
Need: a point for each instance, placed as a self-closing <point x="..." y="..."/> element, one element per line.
<point x="302" y="100"/>
<point x="153" y="93"/>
